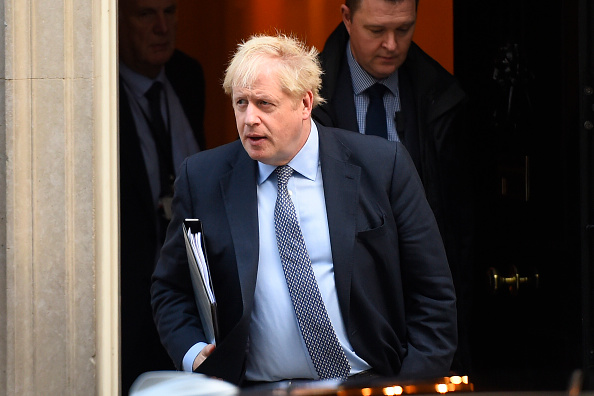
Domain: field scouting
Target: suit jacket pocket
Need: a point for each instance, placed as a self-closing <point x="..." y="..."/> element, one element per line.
<point x="373" y="227"/>
<point x="377" y="245"/>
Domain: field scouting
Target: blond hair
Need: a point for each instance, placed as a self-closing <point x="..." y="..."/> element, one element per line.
<point x="297" y="66"/>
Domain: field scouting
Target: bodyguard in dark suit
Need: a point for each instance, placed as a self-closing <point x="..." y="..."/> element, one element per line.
<point x="424" y="108"/>
<point x="368" y="232"/>
<point x="148" y="162"/>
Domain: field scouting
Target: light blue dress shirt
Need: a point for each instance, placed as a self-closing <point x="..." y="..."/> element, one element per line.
<point x="277" y="350"/>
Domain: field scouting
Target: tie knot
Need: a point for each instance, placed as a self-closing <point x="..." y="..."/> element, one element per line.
<point x="154" y="92"/>
<point x="283" y="173"/>
<point x="377" y="90"/>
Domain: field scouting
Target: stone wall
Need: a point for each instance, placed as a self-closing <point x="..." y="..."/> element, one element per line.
<point x="58" y="200"/>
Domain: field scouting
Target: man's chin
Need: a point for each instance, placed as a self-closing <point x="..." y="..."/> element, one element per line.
<point x="160" y="57"/>
<point x="383" y="71"/>
<point x="255" y="153"/>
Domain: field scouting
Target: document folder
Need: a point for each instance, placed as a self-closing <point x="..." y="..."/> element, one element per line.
<point x="201" y="280"/>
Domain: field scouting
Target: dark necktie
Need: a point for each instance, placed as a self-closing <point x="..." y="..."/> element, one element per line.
<point x="375" y="120"/>
<point x="320" y="339"/>
<point x="162" y="139"/>
<point x="163" y="145"/>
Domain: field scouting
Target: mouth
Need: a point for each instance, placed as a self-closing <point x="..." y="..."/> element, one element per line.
<point x="390" y="59"/>
<point x="160" y="47"/>
<point x="254" y="138"/>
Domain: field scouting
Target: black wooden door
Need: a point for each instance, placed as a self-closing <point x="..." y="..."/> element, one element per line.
<point x="519" y="62"/>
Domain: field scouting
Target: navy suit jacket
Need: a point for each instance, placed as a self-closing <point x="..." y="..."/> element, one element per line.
<point x="392" y="278"/>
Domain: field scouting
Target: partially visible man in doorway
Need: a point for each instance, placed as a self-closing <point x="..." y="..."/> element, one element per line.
<point x="161" y="122"/>
<point x="378" y="81"/>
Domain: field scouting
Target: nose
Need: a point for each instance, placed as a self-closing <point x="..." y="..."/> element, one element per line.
<point x="251" y="115"/>
<point x="161" y="24"/>
<point x="390" y="41"/>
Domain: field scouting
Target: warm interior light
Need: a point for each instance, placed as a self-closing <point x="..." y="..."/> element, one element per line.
<point x="441" y="388"/>
<point x="456" y="380"/>
<point x="389" y="391"/>
<point x="366" y="391"/>
<point x="393" y="390"/>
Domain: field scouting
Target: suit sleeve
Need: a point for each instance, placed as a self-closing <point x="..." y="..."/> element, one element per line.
<point x="172" y="298"/>
<point x="428" y="290"/>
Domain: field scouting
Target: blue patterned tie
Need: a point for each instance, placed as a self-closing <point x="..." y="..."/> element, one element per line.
<point x="320" y="339"/>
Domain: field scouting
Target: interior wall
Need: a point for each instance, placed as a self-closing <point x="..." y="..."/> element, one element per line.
<point x="210" y="32"/>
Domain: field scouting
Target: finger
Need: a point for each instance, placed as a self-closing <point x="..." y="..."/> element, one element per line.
<point x="207" y="350"/>
<point x="204" y="353"/>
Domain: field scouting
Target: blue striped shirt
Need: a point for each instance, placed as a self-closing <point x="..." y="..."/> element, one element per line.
<point x="363" y="80"/>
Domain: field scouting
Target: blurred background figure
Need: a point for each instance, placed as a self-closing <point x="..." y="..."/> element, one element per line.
<point x="161" y="122"/>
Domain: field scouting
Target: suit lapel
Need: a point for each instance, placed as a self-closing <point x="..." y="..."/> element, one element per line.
<point x="186" y="78"/>
<point x="341" y="186"/>
<point x="239" y="192"/>
<point x="343" y="104"/>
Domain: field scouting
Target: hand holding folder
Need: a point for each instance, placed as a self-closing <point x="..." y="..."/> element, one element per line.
<point x="201" y="281"/>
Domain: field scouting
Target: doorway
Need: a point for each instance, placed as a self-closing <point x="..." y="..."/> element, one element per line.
<point x="519" y="62"/>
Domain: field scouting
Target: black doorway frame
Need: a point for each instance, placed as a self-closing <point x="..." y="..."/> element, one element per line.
<point x="586" y="126"/>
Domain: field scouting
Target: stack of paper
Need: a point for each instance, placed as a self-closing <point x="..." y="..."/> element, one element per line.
<point x="201" y="281"/>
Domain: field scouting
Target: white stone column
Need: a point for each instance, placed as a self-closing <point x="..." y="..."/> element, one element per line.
<point x="58" y="199"/>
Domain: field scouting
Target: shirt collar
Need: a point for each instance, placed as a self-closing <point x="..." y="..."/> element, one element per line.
<point x="305" y="161"/>
<point x="363" y="80"/>
<point x="137" y="83"/>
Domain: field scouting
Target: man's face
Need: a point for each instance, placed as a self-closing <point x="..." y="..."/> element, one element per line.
<point x="381" y="33"/>
<point x="147" y="34"/>
<point x="272" y="125"/>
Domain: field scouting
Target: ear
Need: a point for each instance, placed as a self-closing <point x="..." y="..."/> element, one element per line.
<point x="346" y="17"/>
<point x="307" y="103"/>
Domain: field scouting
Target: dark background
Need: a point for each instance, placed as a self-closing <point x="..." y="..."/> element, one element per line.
<point x="526" y="65"/>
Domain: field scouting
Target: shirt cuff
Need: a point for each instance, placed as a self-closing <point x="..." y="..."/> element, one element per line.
<point x="189" y="357"/>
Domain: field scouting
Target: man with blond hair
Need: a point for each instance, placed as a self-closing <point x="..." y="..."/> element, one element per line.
<point x="325" y="257"/>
